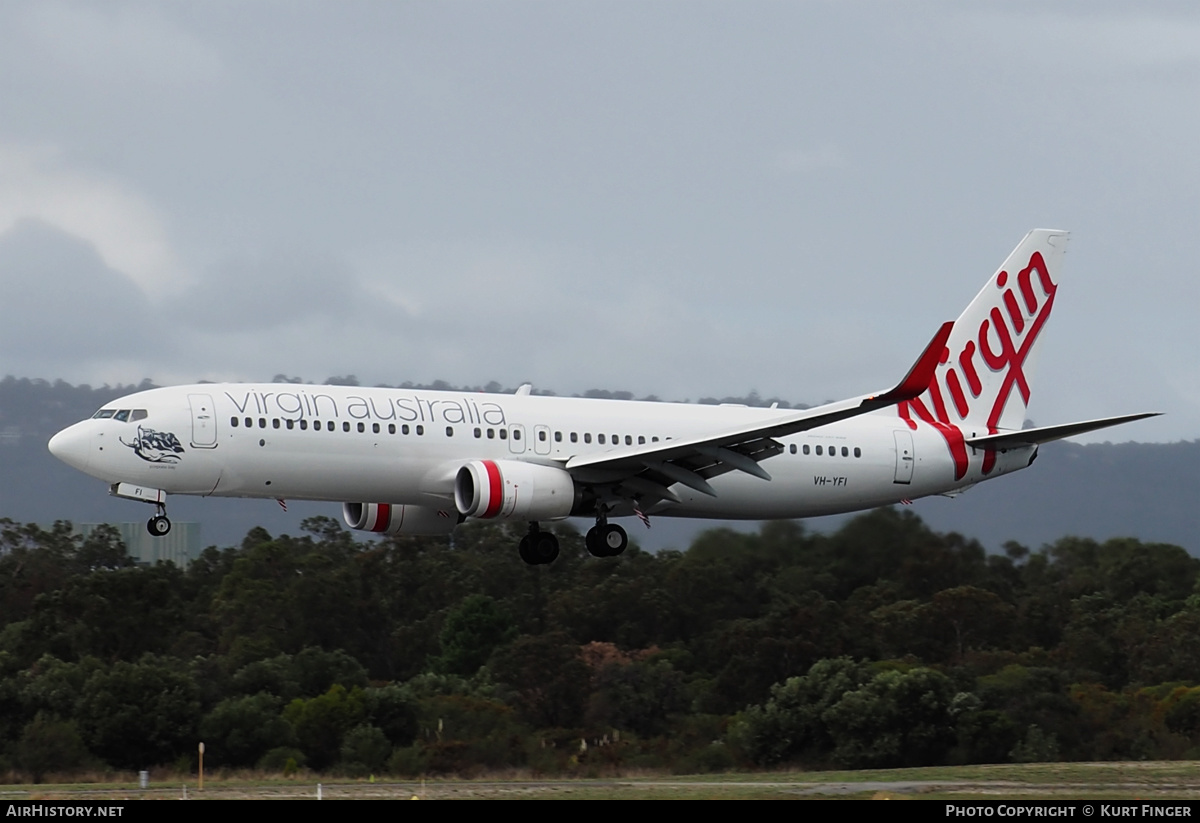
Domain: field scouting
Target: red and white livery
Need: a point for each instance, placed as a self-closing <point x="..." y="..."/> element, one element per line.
<point x="426" y="461"/>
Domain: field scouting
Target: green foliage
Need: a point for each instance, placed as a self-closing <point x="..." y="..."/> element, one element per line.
<point x="899" y="718"/>
<point x="365" y="750"/>
<point x="472" y="631"/>
<point x="883" y="643"/>
<point x="547" y="678"/>
<point x="791" y="725"/>
<point x="134" y="715"/>
<point x="321" y="723"/>
<point x="50" y="744"/>
<point x="239" y="731"/>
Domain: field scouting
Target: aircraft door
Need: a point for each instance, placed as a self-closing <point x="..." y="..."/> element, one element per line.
<point x="904" y="456"/>
<point x="204" y="421"/>
<point x="541" y="439"/>
<point x="516" y="439"/>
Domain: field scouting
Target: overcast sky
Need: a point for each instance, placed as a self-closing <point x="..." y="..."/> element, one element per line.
<point x="680" y="198"/>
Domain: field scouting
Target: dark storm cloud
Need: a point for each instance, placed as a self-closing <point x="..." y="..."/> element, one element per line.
<point x="63" y="306"/>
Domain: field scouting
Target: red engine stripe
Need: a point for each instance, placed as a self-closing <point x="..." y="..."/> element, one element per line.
<point x="495" y="489"/>
<point x="383" y="516"/>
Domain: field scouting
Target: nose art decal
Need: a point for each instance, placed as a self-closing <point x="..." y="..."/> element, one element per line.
<point x="155" y="446"/>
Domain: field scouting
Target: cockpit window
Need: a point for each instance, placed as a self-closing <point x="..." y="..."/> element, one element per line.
<point x="122" y="415"/>
<point x="104" y="414"/>
<point x="137" y="414"/>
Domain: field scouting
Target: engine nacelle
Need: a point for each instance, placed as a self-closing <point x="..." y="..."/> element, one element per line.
<point x="392" y="518"/>
<point x="511" y="489"/>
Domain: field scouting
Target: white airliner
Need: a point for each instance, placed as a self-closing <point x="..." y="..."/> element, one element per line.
<point x="421" y="462"/>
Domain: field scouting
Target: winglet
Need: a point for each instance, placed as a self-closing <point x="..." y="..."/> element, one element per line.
<point x="921" y="374"/>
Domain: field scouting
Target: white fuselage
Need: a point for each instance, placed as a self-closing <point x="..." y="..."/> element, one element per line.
<point x="401" y="446"/>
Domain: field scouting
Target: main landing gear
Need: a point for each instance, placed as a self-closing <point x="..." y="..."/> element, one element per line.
<point x="159" y="525"/>
<point x="538" y="547"/>
<point x="605" y="539"/>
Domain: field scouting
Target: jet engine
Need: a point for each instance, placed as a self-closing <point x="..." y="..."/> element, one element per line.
<point x="513" y="490"/>
<point x="392" y="518"/>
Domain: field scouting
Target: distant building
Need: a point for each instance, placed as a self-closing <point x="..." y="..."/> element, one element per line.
<point x="181" y="546"/>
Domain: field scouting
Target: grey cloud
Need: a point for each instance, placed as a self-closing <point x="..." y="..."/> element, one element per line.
<point x="271" y="290"/>
<point x="62" y="305"/>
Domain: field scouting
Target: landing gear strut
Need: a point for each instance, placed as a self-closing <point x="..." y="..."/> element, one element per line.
<point x="538" y="548"/>
<point x="159" y="525"/>
<point x="605" y="539"/>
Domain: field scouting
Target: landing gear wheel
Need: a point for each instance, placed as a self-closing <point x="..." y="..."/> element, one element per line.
<point x="593" y="543"/>
<point x="525" y="549"/>
<point x="158" y="525"/>
<point x="607" y="540"/>
<point x="545" y="547"/>
<point x="538" y="547"/>
<point x="614" y="539"/>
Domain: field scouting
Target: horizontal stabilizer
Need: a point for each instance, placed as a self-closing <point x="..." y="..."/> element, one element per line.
<point x="1032" y="437"/>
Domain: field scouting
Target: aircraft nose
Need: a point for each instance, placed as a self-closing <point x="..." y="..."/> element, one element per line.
<point x="72" y="446"/>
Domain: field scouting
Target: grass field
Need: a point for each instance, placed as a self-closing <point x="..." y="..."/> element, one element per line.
<point x="1049" y="781"/>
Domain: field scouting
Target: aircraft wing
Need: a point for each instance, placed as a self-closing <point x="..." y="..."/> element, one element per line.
<point x="1032" y="437"/>
<point x="651" y="469"/>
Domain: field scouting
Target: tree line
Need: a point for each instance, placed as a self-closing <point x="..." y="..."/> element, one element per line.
<point x="882" y="644"/>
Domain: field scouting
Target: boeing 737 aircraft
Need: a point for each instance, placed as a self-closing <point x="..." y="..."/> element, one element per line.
<point x="420" y="462"/>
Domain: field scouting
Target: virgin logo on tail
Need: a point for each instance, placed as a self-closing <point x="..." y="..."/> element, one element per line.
<point x="988" y="365"/>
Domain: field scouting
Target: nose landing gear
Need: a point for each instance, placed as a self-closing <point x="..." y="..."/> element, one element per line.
<point x="159" y="525"/>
